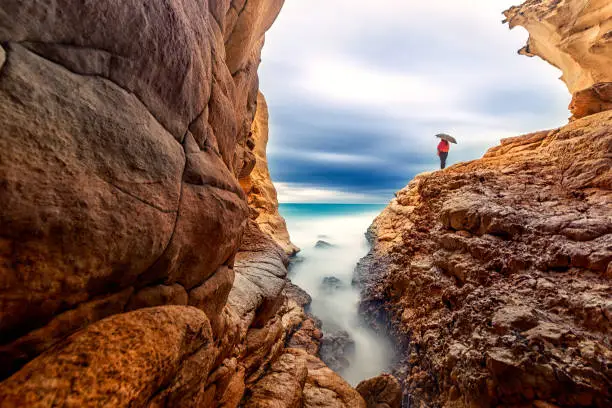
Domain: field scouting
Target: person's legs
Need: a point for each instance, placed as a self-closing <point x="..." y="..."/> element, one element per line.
<point x="443" y="156"/>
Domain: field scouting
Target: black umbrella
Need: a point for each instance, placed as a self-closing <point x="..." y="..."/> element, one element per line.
<point x="446" y="137"/>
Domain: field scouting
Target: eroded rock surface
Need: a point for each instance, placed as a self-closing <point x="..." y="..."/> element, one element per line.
<point x="494" y="275"/>
<point x="336" y="349"/>
<point x="576" y="37"/>
<point x="120" y="151"/>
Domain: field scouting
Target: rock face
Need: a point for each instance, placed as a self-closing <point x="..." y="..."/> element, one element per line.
<point x="576" y="37"/>
<point x="494" y="275"/>
<point x="258" y="184"/>
<point x="383" y="391"/>
<point x="130" y="271"/>
<point x="336" y="348"/>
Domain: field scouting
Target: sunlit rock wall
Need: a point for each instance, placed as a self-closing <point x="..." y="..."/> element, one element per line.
<point x="258" y="185"/>
<point x="576" y="37"/>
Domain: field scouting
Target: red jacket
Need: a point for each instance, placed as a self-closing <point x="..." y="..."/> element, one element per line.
<point x="443" y="146"/>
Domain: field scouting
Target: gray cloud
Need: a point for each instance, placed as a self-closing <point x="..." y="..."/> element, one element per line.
<point x="357" y="90"/>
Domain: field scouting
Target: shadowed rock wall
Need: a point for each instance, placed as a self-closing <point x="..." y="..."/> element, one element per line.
<point x="123" y="131"/>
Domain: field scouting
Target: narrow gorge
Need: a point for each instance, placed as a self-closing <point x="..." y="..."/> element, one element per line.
<point x="143" y="259"/>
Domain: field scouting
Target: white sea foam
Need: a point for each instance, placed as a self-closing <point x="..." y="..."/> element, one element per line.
<point x="338" y="309"/>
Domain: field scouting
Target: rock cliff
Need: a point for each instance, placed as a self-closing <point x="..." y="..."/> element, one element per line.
<point x="494" y="275"/>
<point x="130" y="271"/>
<point x="258" y="186"/>
<point x="576" y="37"/>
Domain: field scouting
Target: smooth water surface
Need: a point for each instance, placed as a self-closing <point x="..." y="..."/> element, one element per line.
<point x="343" y="226"/>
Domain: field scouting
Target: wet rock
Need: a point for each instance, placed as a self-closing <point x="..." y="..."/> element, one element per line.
<point x="299" y="295"/>
<point x="383" y="391"/>
<point x="323" y="245"/>
<point x="307" y="337"/>
<point x="336" y="349"/>
<point x="331" y="283"/>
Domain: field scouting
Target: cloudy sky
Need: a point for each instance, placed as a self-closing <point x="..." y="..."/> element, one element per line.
<point x="357" y="90"/>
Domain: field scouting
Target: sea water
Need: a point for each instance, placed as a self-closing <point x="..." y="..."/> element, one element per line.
<point x="343" y="226"/>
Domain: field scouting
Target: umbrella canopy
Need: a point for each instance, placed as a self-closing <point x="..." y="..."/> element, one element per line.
<point x="446" y="137"/>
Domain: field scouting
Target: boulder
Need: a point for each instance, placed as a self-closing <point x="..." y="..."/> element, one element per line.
<point x="323" y="245"/>
<point x="336" y="349"/>
<point x="331" y="283"/>
<point x="383" y="391"/>
<point x="109" y="363"/>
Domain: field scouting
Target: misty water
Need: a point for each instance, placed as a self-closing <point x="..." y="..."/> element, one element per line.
<point x="343" y="226"/>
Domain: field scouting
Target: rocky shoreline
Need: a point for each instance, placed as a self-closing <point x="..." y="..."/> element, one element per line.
<point x="143" y="261"/>
<point x="493" y="275"/>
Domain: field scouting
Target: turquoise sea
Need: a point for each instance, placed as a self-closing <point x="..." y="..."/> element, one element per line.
<point x="302" y="210"/>
<point x="343" y="226"/>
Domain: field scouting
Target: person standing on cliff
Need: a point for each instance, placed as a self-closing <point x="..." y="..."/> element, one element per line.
<point x="443" y="148"/>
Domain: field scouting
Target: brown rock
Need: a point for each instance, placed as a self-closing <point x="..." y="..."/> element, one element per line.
<point x="258" y="185"/>
<point x="158" y="296"/>
<point x="85" y="212"/>
<point x="110" y="363"/>
<point x="299" y="295"/>
<point x="519" y="318"/>
<point x="495" y="316"/>
<point x="324" y="388"/>
<point x="594" y="99"/>
<point x="307" y="337"/>
<point x="25" y="348"/>
<point x="383" y="391"/>
<point x="282" y="386"/>
<point x="211" y="296"/>
<point x="121" y="151"/>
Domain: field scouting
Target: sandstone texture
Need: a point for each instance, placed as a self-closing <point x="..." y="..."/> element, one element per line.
<point x="258" y="185"/>
<point x="134" y="269"/>
<point x="576" y="37"/>
<point x="494" y="275"/>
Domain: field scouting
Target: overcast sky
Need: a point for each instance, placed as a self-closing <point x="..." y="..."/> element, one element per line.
<point x="357" y="89"/>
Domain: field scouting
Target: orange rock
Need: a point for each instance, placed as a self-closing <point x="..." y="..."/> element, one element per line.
<point x="571" y="35"/>
<point x="258" y="184"/>
<point x="383" y="391"/>
<point x="503" y="311"/>
<point x="597" y="98"/>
